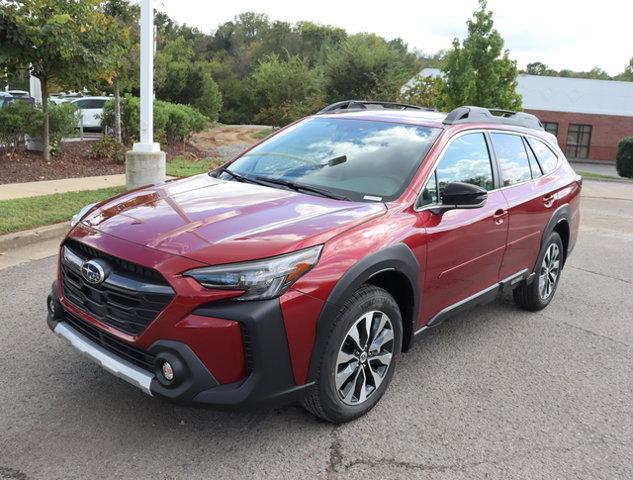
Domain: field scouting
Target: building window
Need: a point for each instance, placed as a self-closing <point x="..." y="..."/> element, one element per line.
<point x="551" y="127"/>
<point x="578" y="141"/>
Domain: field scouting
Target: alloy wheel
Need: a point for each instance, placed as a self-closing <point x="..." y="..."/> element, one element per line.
<point x="364" y="357"/>
<point x="550" y="269"/>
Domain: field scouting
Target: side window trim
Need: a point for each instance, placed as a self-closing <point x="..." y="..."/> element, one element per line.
<point x="528" y="149"/>
<point x="494" y="163"/>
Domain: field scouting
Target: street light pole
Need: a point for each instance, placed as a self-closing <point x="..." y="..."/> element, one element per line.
<point x="145" y="164"/>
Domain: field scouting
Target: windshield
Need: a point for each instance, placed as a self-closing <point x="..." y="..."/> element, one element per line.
<point x="355" y="159"/>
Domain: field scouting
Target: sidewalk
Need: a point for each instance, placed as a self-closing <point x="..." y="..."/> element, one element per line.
<point x="11" y="191"/>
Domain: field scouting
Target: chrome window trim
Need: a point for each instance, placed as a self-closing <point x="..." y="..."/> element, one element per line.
<point x="484" y="131"/>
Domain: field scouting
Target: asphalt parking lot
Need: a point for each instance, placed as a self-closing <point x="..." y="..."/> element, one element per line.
<point x="496" y="393"/>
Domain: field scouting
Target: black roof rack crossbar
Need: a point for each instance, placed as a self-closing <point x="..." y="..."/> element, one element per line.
<point x="485" y="115"/>
<point x="367" y="105"/>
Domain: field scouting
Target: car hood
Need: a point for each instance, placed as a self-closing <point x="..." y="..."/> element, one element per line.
<point x="215" y="221"/>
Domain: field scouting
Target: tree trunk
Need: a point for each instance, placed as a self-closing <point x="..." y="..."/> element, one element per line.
<point x="46" y="136"/>
<point x="117" y="110"/>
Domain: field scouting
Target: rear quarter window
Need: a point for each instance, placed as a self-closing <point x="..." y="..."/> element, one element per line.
<point x="545" y="156"/>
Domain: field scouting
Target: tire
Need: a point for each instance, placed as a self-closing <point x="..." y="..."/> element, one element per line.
<point x="343" y="401"/>
<point x="531" y="297"/>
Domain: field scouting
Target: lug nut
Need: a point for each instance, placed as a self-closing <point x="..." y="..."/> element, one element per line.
<point x="168" y="371"/>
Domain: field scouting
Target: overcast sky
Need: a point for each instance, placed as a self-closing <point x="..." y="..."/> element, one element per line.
<point x="570" y="34"/>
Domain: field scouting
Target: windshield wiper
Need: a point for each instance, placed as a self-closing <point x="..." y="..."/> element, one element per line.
<point x="299" y="186"/>
<point x="241" y="178"/>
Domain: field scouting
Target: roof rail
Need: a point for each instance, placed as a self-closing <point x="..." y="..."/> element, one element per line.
<point x="369" y="105"/>
<point x="490" y="115"/>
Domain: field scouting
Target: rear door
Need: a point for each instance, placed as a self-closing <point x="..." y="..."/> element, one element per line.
<point x="530" y="197"/>
<point x="465" y="247"/>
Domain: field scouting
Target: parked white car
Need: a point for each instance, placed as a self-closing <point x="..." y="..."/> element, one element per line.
<point x="5" y="98"/>
<point x="91" y="110"/>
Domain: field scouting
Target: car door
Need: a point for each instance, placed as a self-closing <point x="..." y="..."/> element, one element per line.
<point x="465" y="247"/>
<point x="530" y="201"/>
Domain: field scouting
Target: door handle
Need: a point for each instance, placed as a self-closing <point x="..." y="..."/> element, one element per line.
<point x="499" y="216"/>
<point x="548" y="199"/>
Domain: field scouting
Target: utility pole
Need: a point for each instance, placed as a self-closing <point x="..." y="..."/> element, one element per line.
<point x="145" y="163"/>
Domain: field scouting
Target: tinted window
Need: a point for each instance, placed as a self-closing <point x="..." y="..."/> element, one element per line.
<point x="466" y="160"/>
<point x="534" y="166"/>
<point x="512" y="157"/>
<point x="546" y="158"/>
<point x="578" y="141"/>
<point x="362" y="160"/>
<point x="80" y="104"/>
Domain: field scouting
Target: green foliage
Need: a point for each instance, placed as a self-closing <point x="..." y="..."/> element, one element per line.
<point x="423" y="92"/>
<point x="109" y="149"/>
<point x="66" y="41"/>
<point x="172" y="122"/>
<point x="624" y="158"/>
<point x="479" y="72"/>
<point x="285" y="90"/>
<point x="181" y="79"/>
<point x="63" y="121"/>
<point x="17" y="120"/>
<point x="365" y="66"/>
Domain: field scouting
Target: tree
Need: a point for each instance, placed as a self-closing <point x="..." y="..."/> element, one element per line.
<point x="479" y="72"/>
<point x="69" y="42"/>
<point x="627" y="74"/>
<point x="284" y="89"/>
<point x="423" y="91"/>
<point x="126" y="62"/>
<point x="539" y="68"/>
<point x="365" y="66"/>
<point x="182" y="79"/>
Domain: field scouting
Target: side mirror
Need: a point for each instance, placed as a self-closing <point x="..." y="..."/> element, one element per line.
<point x="459" y="195"/>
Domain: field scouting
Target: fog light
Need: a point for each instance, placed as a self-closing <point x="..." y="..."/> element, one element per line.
<point x="168" y="371"/>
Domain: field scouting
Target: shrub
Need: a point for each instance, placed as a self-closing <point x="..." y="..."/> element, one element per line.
<point x="108" y="148"/>
<point x="172" y="122"/>
<point x="63" y="120"/>
<point x="17" y="120"/>
<point x="624" y="157"/>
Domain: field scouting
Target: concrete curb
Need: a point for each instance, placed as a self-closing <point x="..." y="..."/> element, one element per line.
<point x="28" y="237"/>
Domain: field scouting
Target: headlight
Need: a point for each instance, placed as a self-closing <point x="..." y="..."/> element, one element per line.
<point x="260" y="279"/>
<point x="82" y="213"/>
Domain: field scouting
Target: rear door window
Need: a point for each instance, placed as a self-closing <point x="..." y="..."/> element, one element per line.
<point x="512" y="158"/>
<point x="545" y="156"/>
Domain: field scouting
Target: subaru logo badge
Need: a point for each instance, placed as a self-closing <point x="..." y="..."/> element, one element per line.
<point x="93" y="272"/>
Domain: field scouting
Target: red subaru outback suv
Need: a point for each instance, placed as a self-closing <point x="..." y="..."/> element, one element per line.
<point x="303" y="268"/>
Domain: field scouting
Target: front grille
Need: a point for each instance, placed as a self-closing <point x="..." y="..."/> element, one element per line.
<point x="134" y="355"/>
<point x="129" y="299"/>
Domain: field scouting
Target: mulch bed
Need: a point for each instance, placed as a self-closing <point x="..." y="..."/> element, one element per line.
<point x="74" y="161"/>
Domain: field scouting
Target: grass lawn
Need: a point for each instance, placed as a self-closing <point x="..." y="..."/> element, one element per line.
<point x="600" y="176"/>
<point x="263" y="133"/>
<point x="26" y="213"/>
<point x="185" y="167"/>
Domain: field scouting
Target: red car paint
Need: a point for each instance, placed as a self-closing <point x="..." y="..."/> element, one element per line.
<point x="202" y="221"/>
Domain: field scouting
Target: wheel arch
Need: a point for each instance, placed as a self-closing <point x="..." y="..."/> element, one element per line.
<point x="559" y="222"/>
<point x="395" y="263"/>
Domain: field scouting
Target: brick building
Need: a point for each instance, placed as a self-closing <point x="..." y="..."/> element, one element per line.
<point x="588" y="117"/>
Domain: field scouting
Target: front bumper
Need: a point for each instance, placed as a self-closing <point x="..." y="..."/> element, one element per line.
<point x="269" y="381"/>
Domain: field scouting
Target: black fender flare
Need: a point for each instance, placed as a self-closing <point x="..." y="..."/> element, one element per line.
<point x="398" y="257"/>
<point x="562" y="213"/>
